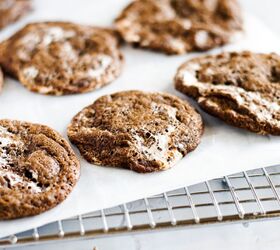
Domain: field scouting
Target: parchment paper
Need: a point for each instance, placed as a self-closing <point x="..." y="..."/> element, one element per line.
<point x="223" y="150"/>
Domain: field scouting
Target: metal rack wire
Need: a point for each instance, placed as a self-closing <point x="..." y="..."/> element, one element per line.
<point x="243" y="197"/>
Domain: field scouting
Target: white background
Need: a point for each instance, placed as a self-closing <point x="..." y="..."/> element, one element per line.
<point x="258" y="236"/>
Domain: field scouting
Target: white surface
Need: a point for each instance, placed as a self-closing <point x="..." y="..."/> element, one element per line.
<point x="266" y="11"/>
<point x="101" y="187"/>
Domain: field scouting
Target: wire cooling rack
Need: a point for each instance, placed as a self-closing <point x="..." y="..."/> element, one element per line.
<point x="243" y="197"/>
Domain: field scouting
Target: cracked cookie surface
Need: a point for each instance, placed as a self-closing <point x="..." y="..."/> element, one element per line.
<point x="141" y="131"/>
<point x="38" y="169"/>
<point x="59" y="58"/>
<point x="243" y="89"/>
<point x="180" y="26"/>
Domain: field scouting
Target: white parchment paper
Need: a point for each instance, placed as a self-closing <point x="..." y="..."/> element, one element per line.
<point x="223" y="149"/>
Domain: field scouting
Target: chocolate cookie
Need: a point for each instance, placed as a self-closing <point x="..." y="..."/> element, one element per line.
<point x="12" y="10"/>
<point x="243" y="89"/>
<point x="144" y="132"/>
<point x="59" y="58"/>
<point x="38" y="169"/>
<point x="180" y="26"/>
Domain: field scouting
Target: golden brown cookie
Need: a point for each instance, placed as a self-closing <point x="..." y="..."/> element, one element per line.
<point x="180" y="26"/>
<point x="141" y="131"/>
<point x="59" y="58"/>
<point x="38" y="169"/>
<point x="243" y="89"/>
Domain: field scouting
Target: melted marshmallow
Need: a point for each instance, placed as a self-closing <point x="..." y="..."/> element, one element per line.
<point x="201" y="38"/>
<point x="30" y="72"/>
<point x="16" y="180"/>
<point x="55" y="34"/>
<point x="6" y="140"/>
<point x="159" y="150"/>
<point x="105" y="62"/>
<point x="245" y="99"/>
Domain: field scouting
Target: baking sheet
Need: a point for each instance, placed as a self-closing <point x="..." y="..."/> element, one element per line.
<point x="223" y="150"/>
